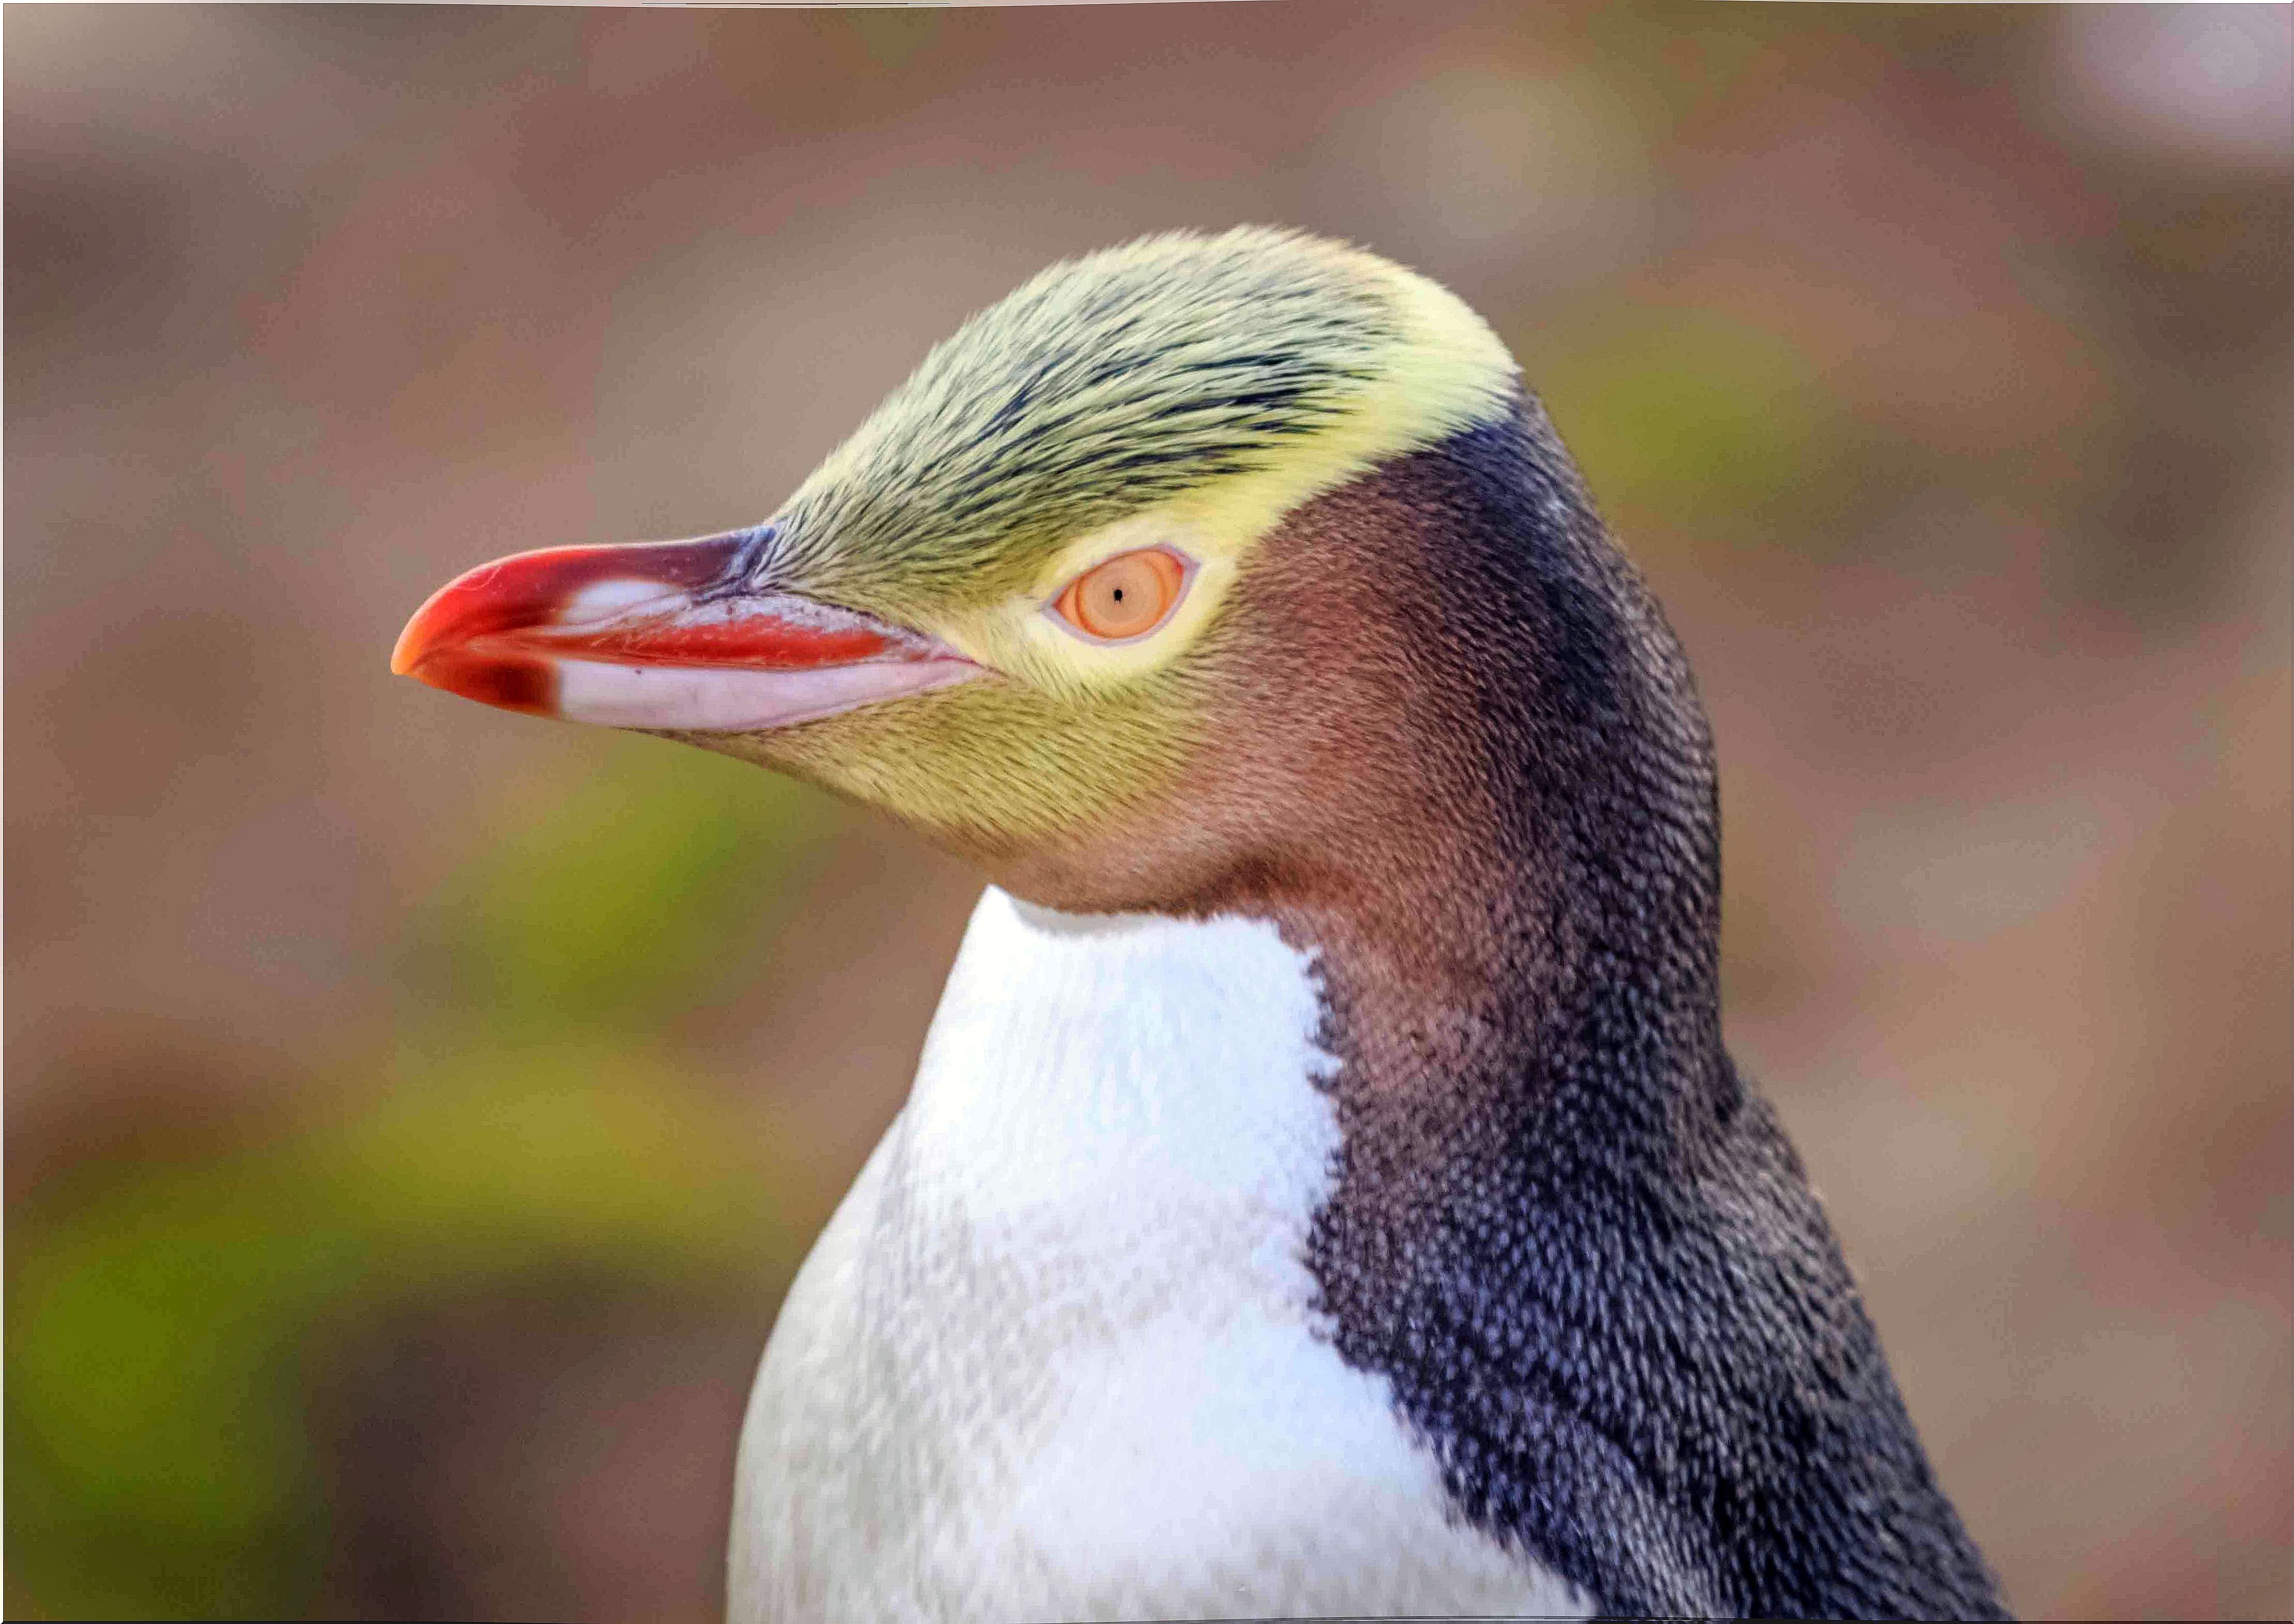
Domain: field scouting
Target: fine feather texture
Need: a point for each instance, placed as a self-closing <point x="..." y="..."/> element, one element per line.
<point x="1185" y="390"/>
<point x="1346" y="1201"/>
<point x="1056" y="1356"/>
<point x="1575" y="1241"/>
<point x="1113" y="384"/>
<point x="1560" y="1277"/>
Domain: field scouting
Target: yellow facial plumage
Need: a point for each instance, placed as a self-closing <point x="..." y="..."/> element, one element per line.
<point x="1183" y="391"/>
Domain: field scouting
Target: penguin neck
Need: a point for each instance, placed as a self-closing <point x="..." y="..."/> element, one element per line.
<point x="1578" y="1245"/>
<point x="1542" y="944"/>
<point x="1453" y="754"/>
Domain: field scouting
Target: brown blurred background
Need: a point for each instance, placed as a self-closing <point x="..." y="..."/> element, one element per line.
<point x="415" y="1112"/>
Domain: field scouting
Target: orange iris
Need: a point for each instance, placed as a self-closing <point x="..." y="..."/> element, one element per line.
<point x="1127" y="597"/>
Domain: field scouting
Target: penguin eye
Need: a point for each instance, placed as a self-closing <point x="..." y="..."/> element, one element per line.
<point x="1126" y="596"/>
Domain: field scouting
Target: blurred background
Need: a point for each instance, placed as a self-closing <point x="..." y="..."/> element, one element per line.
<point x="415" y="1112"/>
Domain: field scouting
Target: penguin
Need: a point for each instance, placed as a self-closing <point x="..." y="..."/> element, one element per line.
<point x="1324" y="1190"/>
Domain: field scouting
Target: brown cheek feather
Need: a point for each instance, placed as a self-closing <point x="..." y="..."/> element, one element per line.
<point x="1327" y="784"/>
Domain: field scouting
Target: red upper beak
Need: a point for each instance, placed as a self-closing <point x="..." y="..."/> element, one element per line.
<point x="659" y="634"/>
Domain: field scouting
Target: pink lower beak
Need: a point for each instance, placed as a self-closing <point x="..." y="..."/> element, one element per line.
<point x="659" y="634"/>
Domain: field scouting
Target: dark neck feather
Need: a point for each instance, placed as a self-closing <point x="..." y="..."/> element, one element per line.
<point x="1581" y="1249"/>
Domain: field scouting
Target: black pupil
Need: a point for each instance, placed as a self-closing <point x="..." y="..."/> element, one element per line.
<point x="1118" y="595"/>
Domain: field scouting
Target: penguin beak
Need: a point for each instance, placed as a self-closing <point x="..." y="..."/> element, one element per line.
<point x="660" y="635"/>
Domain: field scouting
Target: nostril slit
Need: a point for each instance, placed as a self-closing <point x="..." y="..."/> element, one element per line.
<point x="741" y="570"/>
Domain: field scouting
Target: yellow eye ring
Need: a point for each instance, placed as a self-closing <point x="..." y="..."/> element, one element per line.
<point x="1124" y="599"/>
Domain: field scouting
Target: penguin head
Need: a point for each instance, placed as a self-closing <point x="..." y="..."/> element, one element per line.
<point x="1100" y="597"/>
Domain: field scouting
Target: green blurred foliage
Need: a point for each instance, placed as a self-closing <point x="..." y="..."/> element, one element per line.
<point x="164" y="1330"/>
<point x="615" y="903"/>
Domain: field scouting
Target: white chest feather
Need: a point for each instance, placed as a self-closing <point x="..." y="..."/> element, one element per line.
<point x="1055" y="1357"/>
